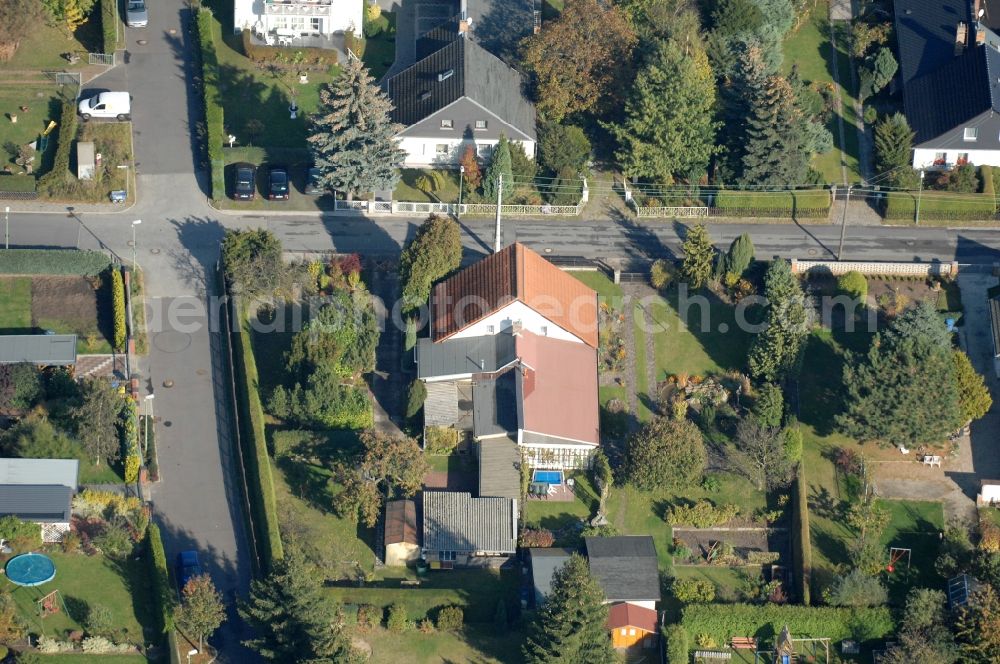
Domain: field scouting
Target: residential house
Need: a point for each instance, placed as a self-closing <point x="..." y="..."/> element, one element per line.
<point x="459" y="530"/>
<point x="499" y="27"/>
<point x="948" y="66"/>
<point x="319" y="23"/>
<point x="627" y="569"/>
<point x="632" y="626"/>
<point x="402" y="545"/>
<point x="49" y="350"/>
<point x="512" y="359"/>
<point x="40" y="491"/>
<point x="995" y="327"/>
<point x="543" y="564"/>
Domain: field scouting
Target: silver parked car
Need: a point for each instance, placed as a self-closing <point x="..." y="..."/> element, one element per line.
<point x="136" y="15"/>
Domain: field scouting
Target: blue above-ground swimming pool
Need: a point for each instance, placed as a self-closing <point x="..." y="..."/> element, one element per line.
<point x="549" y="476"/>
<point x="30" y="569"/>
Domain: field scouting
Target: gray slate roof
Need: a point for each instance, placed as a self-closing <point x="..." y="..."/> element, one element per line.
<point x="47" y="349"/>
<point x="464" y="355"/>
<point x="626" y="567"/>
<point x="36" y="503"/>
<point x="425" y="87"/>
<point x="544" y="563"/>
<point x="495" y="405"/>
<point x="455" y="521"/>
<point x="499" y="463"/>
<point x="64" y="472"/>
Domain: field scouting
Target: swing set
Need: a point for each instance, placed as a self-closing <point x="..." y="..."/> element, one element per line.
<point x="896" y="555"/>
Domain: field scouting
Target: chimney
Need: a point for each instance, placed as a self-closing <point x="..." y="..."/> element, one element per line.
<point x="961" y="37"/>
<point x="980" y="35"/>
<point x="463" y="26"/>
<point x="976" y="4"/>
<point x="515" y="328"/>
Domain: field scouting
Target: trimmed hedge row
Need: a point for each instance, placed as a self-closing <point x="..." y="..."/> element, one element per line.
<point x="724" y="621"/>
<point x="801" y="542"/>
<point x="258" y="464"/>
<point x="772" y="203"/>
<point x="109" y="16"/>
<point x="215" y="134"/>
<point x="53" y="261"/>
<point x="324" y="57"/>
<point x="676" y="639"/>
<point x="65" y="135"/>
<point x="940" y="205"/>
<point x="118" y="307"/>
<point x="162" y="592"/>
<point x="20" y="184"/>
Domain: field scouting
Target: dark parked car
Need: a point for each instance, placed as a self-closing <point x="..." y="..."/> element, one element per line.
<point x="312" y="183"/>
<point x="277" y="183"/>
<point x="246" y="182"/>
<point x="188" y="567"/>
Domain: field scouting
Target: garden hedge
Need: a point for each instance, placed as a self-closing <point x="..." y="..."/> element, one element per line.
<point x="986" y="176"/>
<point x="109" y="17"/>
<point x="724" y="621"/>
<point x="940" y="205"/>
<point x="52" y="181"/>
<point x="118" y="307"/>
<point x="801" y="542"/>
<point x="162" y="592"/>
<point x="311" y="57"/>
<point x="18" y="184"/>
<point x="676" y="646"/>
<point x="53" y="261"/>
<point x="781" y="204"/>
<point x="215" y="134"/>
<point x="260" y="484"/>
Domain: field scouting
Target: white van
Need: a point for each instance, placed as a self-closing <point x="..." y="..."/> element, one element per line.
<point x="107" y="105"/>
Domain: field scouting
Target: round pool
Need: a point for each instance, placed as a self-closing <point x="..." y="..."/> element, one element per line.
<point x="30" y="569"/>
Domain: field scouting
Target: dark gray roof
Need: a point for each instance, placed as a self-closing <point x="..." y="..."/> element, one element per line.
<point x="47" y="349"/>
<point x="426" y="87"/>
<point x="544" y="563"/>
<point x="464" y="355"/>
<point x="499" y="463"/>
<point x="495" y="405"/>
<point x="48" y="503"/>
<point x="500" y="25"/>
<point x="625" y="566"/>
<point x="455" y="521"/>
<point x="925" y="33"/>
<point x="40" y="471"/>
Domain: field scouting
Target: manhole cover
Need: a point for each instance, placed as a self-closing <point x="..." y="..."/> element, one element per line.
<point x="168" y="383"/>
<point x="811" y="252"/>
<point x="141" y="42"/>
<point x="171" y="341"/>
<point x="548" y="250"/>
<point x="167" y="423"/>
<point x="154" y="251"/>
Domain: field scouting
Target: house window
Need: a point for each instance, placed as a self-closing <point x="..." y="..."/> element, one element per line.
<point x="631" y="632"/>
<point x="963" y="158"/>
<point x="480" y="124"/>
<point x="971" y="133"/>
<point x="489" y="329"/>
<point x="447" y="124"/>
<point x="940" y="158"/>
<point x="446" y="555"/>
<point x="484" y="150"/>
<point x="623" y="631"/>
<point x="545" y="330"/>
<point x="441" y="148"/>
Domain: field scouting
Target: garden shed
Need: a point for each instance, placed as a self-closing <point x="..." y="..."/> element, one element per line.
<point x="85" y="165"/>
<point x="989" y="492"/>
<point x="401" y="543"/>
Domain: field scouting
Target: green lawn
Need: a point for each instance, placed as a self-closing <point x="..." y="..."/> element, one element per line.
<point x="607" y="290"/>
<point x="81" y="658"/>
<point x="444" y="186"/>
<point x="15" y="304"/>
<point x="475" y="643"/>
<point x="100" y="474"/>
<point x="43" y="105"/>
<point x="809" y="48"/>
<point x="915" y="525"/>
<point x="42" y="47"/>
<point x="304" y="493"/>
<point x="683" y="345"/>
<point x="124" y="588"/>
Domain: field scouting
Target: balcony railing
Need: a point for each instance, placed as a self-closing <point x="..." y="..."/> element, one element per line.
<point x="298" y="8"/>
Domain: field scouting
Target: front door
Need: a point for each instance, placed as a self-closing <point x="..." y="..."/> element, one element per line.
<point x="317" y="25"/>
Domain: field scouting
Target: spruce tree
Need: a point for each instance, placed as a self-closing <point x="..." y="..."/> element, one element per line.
<point x="904" y="390"/>
<point x="775" y="137"/>
<point x="433" y="253"/>
<point x="499" y="165"/>
<point x="292" y="617"/>
<point x="776" y="351"/>
<point x="353" y="139"/>
<point x="570" y="626"/>
<point x="699" y="256"/>
<point x="740" y="255"/>
<point x="893" y="148"/>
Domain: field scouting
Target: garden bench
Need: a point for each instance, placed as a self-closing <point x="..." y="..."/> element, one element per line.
<point x="712" y="654"/>
<point x="932" y="461"/>
<point x="744" y="643"/>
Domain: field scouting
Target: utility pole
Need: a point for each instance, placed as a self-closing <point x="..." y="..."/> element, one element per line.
<point x="496" y="246"/>
<point x="134" y="224"/>
<point x="461" y="184"/>
<point x="920" y="194"/>
<point x="6" y="227"/>
<point x="843" y="223"/>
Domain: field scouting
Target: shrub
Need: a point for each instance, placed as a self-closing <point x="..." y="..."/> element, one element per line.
<point x="70" y="543"/>
<point x="53" y="261"/>
<point x="661" y="274"/>
<point x="702" y="514"/>
<point x="935" y="205"/>
<point x="369" y="616"/>
<point x="163" y="594"/>
<point x="50" y="645"/>
<point x="22" y="535"/>
<point x="440" y="440"/>
<point x="354" y="44"/>
<point x="118" y="307"/>
<point x="397" y="621"/>
<point x="537" y="538"/>
<point x="450" y="619"/>
<point x="801" y="543"/>
<point x="99" y="621"/>
<point x="214" y="132"/>
<point x="853" y="284"/>
<point x="20" y="387"/>
<point x="703" y="640"/>
<point x="676" y="639"/>
<point x="693" y="590"/>
<point x="318" y="57"/>
<point x="52" y="182"/>
<point x="99" y="645"/>
<point x="115" y="541"/>
<point x="109" y="17"/>
<point x="987" y="178"/>
<point x="425" y="626"/>
<point x="856" y="589"/>
<point x="989" y="538"/>
<point x="724" y="621"/>
<point x="415" y="399"/>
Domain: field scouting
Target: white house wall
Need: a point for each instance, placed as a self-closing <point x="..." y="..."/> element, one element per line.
<point x="422" y="151"/>
<point x="340" y="16"/>
<point x="925" y="157"/>
<point x="532" y="321"/>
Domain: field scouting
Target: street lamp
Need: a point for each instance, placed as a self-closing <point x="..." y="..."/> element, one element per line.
<point x="134" y="224"/>
<point x="920" y="193"/>
<point x="461" y="182"/>
<point x="147" y="403"/>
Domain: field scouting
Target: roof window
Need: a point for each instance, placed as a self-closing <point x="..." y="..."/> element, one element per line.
<point x="971" y="133"/>
<point x="445" y="75"/>
<point x="424" y="96"/>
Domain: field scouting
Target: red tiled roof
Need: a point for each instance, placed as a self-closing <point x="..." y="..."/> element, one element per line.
<point x="401" y="522"/>
<point x="631" y="615"/>
<point x="559" y="387"/>
<point x="515" y="273"/>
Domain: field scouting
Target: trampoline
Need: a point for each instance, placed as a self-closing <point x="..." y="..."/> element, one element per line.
<point x="30" y="569"/>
